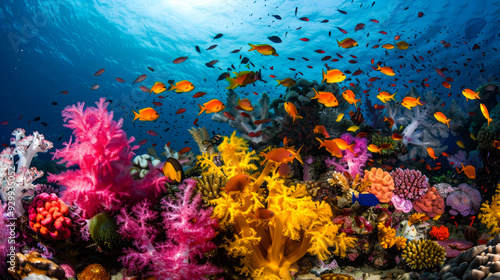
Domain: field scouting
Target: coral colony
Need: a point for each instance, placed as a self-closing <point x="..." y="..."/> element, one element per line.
<point x="317" y="197"/>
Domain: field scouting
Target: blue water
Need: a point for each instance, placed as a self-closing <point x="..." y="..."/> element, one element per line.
<point x="51" y="46"/>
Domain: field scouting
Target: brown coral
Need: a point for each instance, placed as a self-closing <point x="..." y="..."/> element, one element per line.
<point x="34" y="263"/>
<point x="382" y="184"/>
<point x="336" y="276"/>
<point x="423" y="253"/>
<point x="209" y="185"/>
<point x="94" y="271"/>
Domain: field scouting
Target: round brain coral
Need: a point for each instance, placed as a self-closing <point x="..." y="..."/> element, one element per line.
<point x="48" y="217"/>
<point x="423" y="253"/>
<point x="382" y="184"/>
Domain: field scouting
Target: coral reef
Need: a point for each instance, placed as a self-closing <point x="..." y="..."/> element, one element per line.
<point x="103" y="154"/>
<point x="141" y="165"/>
<point x="490" y="213"/>
<point x="387" y="237"/>
<point x="466" y="200"/>
<point x="201" y="136"/>
<point x="461" y="157"/>
<point x="382" y="184"/>
<point x="439" y="233"/>
<point x="34" y="264"/>
<point x="48" y="216"/>
<point x="209" y="185"/>
<point x="352" y="163"/>
<point x="103" y="230"/>
<point x="94" y="271"/>
<point x="17" y="181"/>
<point x="409" y="184"/>
<point x="423" y="254"/>
<point x="431" y="204"/>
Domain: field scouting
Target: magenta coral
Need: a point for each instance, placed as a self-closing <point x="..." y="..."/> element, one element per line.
<point x="4" y="244"/>
<point x="431" y="204"/>
<point x="466" y="200"/>
<point x="409" y="184"/>
<point x="103" y="154"/>
<point x="189" y="229"/>
<point x="48" y="217"/>
<point x="351" y="162"/>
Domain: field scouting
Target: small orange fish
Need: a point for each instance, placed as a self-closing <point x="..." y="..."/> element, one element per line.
<point x="320" y="129"/>
<point x="347" y="43"/>
<point x="333" y="76"/>
<point x="182" y="86"/>
<point x="442" y="118"/>
<point x="496" y="144"/>
<point x="374" y="149"/>
<point x="282" y="155"/>
<point x="212" y="106"/>
<point x="350" y="97"/>
<point x="389" y="120"/>
<point x="484" y="110"/>
<point x="386" y="70"/>
<point x="331" y="147"/>
<point x="326" y="98"/>
<point x="431" y="153"/>
<point x="342" y="144"/>
<point x="263" y="49"/>
<point x="263" y="214"/>
<point x="158" y="87"/>
<point x="292" y="111"/>
<point x="470" y="94"/>
<point x="245" y="104"/>
<point x="397" y="137"/>
<point x="146" y="114"/>
<point x="288" y="82"/>
<point x="446" y="85"/>
<point x="237" y="183"/>
<point x="469" y="170"/>
<point x="410" y="102"/>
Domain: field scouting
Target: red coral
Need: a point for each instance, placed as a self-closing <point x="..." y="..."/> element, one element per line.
<point x="440" y="233"/>
<point x="431" y="204"/>
<point x="48" y="217"/>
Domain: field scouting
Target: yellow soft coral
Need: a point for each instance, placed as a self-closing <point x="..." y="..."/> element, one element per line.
<point x="417" y="218"/>
<point x="490" y="213"/>
<point x="387" y="237"/>
<point x="269" y="247"/>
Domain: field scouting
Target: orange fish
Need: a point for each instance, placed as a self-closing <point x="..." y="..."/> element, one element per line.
<point x="292" y="111"/>
<point x="496" y="144"/>
<point x="326" y="98"/>
<point x="442" y="118"/>
<point x="342" y="144"/>
<point x="146" y="114"/>
<point x="397" y="137"/>
<point x="446" y="85"/>
<point x="237" y="183"/>
<point x="242" y="79"/>
<point x="484" y="110"/>
<point x="445" y="154"/>
<point x="333" y="76"/>
<point x="389" y="120"/>
<point x="469" y="170"/>
<point x="347" y="43"/>
<point x="431" y="153"/>
<point x="158" y="87"/>
<point x="182" y="86"/>
<point x="264" y="49"/>
<point x="350" y="97"/>
<point x="410" y="102"/>
<point x="320" y="129"/>
<point x="374" y="149"/>
<point x="282" y="155"/>
<point x="212" y="106"/>
<point x="288" y="82"/>
<point x="331" y="147"/>
<point x="263" y="214"/>
<point x="386" y="70"/>
<point x="245" y="104"/>
<point x="470" y="94"/>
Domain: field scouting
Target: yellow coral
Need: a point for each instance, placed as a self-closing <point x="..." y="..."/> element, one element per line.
<point x="417" y="218"/>
<point x="269" y="248"/>
<point x="490" y="213"/>
<point x="423" y="253"/>
<point x="387" y="237"/>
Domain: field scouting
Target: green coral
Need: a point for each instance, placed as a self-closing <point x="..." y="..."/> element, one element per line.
<point x="423" y="254"/>
<point x="397" y="146"/>
<point x="104" y="230"/>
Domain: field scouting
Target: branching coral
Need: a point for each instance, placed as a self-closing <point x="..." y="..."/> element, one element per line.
<point x="409" y="184"/>
<point x="351" y="162"/>
<point x="103" y="154"/>
<point x="268" y="247"/>
<point x="210" y="184"/>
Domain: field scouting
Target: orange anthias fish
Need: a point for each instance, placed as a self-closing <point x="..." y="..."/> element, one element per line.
<point x="212" y="106"/>
<point x="282" y="155"/>
<point x="237" y="183"/>
<point x="292" y="111"/>
<point x="158" y="87"/>
<point x="263" y="214"/>
<point x="342" y="144"/>
<point x="389" y="120"/>
<point x="374" y="149"/>
<point x="182" y="86"/>
<point x="431" y="153"/>
<point x="288" y="82"/>
<point x="470" y="94"/>
<point x="388" y="46"/>
<point x="245" y="104"/>
<point x="386" y="70"/>
<point x="331" y="147"/>
<point x="410" y="102"/>
<point x="320" y="129"/>
<point x="242" y="79"/>
<point x="333" y="76"/>
<point x="384" y="96"/>
<point x="146" y="114"/>
<point x="469" y="170"/>
<point x="442" y="118"/>
<point x="397" y="137"/>
<point x="326" y="98"/>
<point x="446" y="84"/>
<point x="496" y="144"/>
<point x="347" y="43"/>
<point x="350" y="97"/>
<point x="264" y="49"/>
<point x="484" y="110"/>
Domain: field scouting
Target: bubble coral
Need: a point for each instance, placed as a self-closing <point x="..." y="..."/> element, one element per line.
<point x="423" y="254"/>
<point x="439" y="233"/>
<point x="94" y="271"/>
<point x="382" y="184"/>
<point x="431" y="204"/>
<point x="48" y="217"/>
<point x="409" y="184"/>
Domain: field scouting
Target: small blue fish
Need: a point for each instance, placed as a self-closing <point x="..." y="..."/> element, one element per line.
<point x="365" y="199"/>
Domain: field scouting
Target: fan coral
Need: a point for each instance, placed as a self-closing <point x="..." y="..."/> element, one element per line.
<point x="423" y="254"/>
<point x="382" y="184"/>
<point x="48" y="216"/>
<point x="18" y="182"/>
<point x="440" y="233"/>
<point x="466" y="200"/>
<point x="103" y="154"/>
<point x="351" y="162"/>
<point x="431" y="204"/>
<point x="189" y="230"/>
<point x="409" y="184"/>
<point x="490" y="213"/>
<point x="387" y="237"/>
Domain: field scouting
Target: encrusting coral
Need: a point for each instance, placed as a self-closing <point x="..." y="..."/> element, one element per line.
<point x="269" y="244"/>
<point x="423" y="254"/>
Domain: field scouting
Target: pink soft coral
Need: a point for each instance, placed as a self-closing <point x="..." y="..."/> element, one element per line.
<point x="189" y="229"/>
<point x="352" y="163"/>
<point x="103" y="154"/>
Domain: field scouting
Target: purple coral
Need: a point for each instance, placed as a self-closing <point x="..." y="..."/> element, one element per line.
<point x="189" y="229"/>
<point x="409" y="184"/>
<point x="4" y="235"/>
<point x="351" y="162"/>
<point x="466" y="200"/>
<point x="461" y="157"/>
